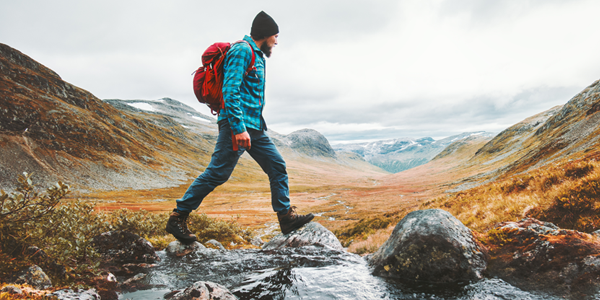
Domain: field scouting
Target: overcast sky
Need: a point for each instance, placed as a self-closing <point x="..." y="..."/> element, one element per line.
<point x="353" y="70"/>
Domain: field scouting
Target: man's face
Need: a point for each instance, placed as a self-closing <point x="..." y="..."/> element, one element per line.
<point x="267" y="46"/>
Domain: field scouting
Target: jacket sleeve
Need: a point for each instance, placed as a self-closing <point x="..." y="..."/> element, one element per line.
<point x="237" y="62"/>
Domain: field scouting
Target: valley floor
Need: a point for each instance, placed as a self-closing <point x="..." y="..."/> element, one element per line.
<point x="336" y="194"/>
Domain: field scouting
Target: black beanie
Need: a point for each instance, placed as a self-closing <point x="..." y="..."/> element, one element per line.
<point x="263" y="26"/>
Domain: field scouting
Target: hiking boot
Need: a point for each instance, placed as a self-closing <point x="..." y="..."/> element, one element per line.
<point x="177" y="226"/>
<point x="292" y="221"/>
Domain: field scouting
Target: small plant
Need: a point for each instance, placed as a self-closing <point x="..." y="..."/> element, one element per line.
<point x="67" y="234"/>
<point x="141" y="222"/>
<point x="497" y="237"/>
<point x="225" y="232"/>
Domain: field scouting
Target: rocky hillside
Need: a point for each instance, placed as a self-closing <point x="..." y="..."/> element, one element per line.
<point x="570" y="131"/>
<point x="307" y="142"/>
<point x="61" y="132"/>
<point x="565" y="132"/>
<point x="402" y="154"/>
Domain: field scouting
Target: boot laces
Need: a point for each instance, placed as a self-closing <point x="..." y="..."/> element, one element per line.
<point x="292" y="212"/>
<point x="182" y="224"/>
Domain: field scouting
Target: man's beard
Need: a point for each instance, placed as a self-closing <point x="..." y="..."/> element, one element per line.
<point x="266" y="49"/>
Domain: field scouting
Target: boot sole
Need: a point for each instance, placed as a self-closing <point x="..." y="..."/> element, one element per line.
<point x="183" y="240"/>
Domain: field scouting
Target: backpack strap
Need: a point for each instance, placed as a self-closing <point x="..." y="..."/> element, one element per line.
<point x="251" y="66"/>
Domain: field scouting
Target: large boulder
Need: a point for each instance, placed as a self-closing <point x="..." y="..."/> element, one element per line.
<point x="122" y="247"/>
<point x="33" y="276"/>
<point x="537" y="255"/>
<point x="203" y="290"/>
<point x="430" y="246"/>
<point x="313" y="234"/>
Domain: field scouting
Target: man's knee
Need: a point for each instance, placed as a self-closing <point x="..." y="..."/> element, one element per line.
<point x="215" y="177"/>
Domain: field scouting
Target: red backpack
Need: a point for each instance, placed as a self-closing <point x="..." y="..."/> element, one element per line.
<point x="208" y="79"/>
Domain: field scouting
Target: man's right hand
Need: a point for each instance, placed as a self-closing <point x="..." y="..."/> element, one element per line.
<point x="243" y="139"/>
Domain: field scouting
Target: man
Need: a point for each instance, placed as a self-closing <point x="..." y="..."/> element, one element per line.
<point x="242" y="128"/>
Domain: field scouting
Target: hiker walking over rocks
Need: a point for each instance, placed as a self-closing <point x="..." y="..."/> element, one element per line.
<point x="242" y="128"/>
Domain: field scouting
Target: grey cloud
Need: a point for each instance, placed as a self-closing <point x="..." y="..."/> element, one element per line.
<point x="326" y="21"/>
<point x="483" y="12"/>
<point x="423" y="117"/>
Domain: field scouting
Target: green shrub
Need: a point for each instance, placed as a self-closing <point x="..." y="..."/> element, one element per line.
<point x="67" y="233"/>
<point x="225" y="232"/>
<point x="65" y="230"/>
<point x="141" y="222"/>
<point x="23" y="208"/>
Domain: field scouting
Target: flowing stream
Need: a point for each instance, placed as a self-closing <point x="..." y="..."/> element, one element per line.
<point x="303" y="273"/>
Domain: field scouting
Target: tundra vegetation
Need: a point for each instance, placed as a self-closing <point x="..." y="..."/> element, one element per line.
<point x="565" y="193"/>
<point x="64" y="229"/>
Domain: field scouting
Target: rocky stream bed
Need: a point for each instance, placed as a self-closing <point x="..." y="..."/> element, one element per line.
<point x="430" y="255"/>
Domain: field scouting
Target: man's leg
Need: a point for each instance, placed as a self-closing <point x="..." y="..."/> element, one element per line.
<point x="219" y="169"/>
<point x="270" y="160"/>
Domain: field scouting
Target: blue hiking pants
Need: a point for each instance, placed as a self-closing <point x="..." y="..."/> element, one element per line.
<point x="224" y="160"/>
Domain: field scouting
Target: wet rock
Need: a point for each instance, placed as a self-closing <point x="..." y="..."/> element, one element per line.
<point x="430" y="246"/>
<point x="180" y="249"/>
<point x="537" y="255"/>
<point x="203" y="290"/>
<point x="123" y="247"/>
<point x="33" y="276"/>
<point x="257" y="242"/>
<point x="134" y="283"/>
<point x="177" y="248"/>
<point x="137" y="268"/>
<point x="215" y="244"/>
<point x="313" y="234"/>
<point x="69" y="294"/>
<point x="171" y="294"/>
<point x="11" y="289"/>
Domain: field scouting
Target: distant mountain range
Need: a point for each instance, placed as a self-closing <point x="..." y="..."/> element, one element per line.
<point x="397" y="155"/>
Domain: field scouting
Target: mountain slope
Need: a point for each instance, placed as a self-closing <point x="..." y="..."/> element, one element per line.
<point x="570" y="131"/>
<point x="61" y="132"/>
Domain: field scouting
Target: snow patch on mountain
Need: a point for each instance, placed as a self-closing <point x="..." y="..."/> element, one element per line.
<point x="143" y="106"/>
